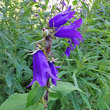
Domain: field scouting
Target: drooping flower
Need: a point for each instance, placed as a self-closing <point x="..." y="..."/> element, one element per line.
<point x="71" y="33"/>
<point x="41" y="69"/>
<point x="61" y="18"/>
<point x="54" y="72"/>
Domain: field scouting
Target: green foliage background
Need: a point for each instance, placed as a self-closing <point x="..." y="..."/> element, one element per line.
<point x="85" y="75"/>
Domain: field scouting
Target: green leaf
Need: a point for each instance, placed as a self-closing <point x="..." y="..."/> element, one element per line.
<point x="15" y="102"/>
<point x="74" y="101"/>
<point x="102" y="6"/>
<point x="74" y="2"/>
<point x="84" y="5"/>
<point x="36" y="106"/>
<point x="18" y="102"/>
<point x="90" y="85"/>
<point x="35" y="95"/>
<point x="65" y="88"/>
<point x="86" y="100"/>
<point x="67" y="1"/>
<point x="79" y="53"/>
<point x="46" y="2"/>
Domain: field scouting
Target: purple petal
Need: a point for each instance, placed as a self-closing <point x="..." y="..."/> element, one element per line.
<point x="67" y="52"/>
<point x="75" y="42"/>
<point x="71" y="47"/>
<point x="58" y="67"/>
<point x="54" y="72"/>
<point x="68" y="32"/>
<point x="69" y="8"/>
<point x="61" y="18"/>
<point x="49" y="6"/>
<point x="68" y="49"/>
<point x="77" y="23"/>
<point x="31" y="83"/>
<point x="34" y="0"/>
<point x="41" y="69"/>
<point x="77" y="34"/>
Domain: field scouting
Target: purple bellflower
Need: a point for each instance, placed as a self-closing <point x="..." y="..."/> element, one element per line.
<point x="61" y="18"/>
<point x="71" y="33"/>
<point x="42" y="70"/>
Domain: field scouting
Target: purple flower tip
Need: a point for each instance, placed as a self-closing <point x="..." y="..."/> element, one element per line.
<point x="54" y="72"/>
<point x="58" y="67"/>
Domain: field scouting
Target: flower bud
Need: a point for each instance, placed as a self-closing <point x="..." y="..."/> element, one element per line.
<point x="45" y="32"/>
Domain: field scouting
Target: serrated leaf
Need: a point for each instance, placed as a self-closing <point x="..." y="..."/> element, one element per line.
<point x="18" y="102"/>
<point x="15" y="102"/>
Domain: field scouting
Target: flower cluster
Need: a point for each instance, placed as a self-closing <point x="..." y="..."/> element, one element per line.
<point x="43" y="69"/>
<point x="68" y="31"/>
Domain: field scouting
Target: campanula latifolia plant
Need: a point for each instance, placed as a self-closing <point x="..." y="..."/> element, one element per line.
<point x="43" y="60"/>
<point x="83" y="80"/>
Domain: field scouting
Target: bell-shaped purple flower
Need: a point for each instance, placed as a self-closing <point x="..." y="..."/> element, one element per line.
<point x="61" y="18"/>
<point x="71" y="33"/>
<point x="41" y="69"/>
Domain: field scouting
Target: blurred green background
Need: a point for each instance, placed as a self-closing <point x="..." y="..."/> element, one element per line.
<point x="85" y="83"/>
